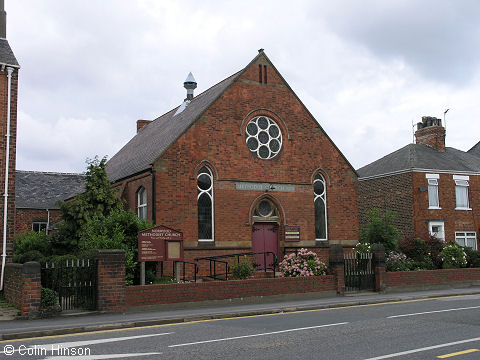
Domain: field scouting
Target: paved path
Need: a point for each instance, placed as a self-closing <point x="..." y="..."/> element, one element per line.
<point x="98" y="321"/>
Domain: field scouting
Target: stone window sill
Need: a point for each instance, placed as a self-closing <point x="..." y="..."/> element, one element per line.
<point x="463" y="209"/>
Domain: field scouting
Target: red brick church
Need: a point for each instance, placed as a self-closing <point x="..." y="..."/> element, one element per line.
<point x="242" y="166"/>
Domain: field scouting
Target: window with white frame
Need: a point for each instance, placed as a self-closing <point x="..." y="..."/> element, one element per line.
<point x="466" y="239"/>
<point x="461" y="191"/>
<point x="142" y="203"/>
<point x="437" y="229"/>
<point x="433" y="201"/>
<point x="205" y="204"/>
<point x="320" y="203"/>
<point x="39" y="226"/>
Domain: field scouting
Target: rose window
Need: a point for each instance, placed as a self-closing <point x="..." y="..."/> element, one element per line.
<point x="264" y="137"/>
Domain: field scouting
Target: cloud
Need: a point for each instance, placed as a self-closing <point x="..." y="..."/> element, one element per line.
<point x="438" y="38"/>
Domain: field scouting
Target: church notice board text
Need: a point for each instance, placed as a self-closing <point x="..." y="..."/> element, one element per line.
<point x="152" y="243"/>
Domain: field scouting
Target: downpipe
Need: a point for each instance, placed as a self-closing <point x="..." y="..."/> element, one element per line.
<point x="7" y="160"/>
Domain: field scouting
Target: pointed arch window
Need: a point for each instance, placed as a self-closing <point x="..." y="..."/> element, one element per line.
<point x="142" y="203"/>
<point x="205" y="204"/>
<point x="320" y="202"/>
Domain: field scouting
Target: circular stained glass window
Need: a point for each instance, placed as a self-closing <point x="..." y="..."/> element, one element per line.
<point x="264" y="137"/>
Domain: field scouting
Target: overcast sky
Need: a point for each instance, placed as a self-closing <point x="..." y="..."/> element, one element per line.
<point x="365" y="69"/>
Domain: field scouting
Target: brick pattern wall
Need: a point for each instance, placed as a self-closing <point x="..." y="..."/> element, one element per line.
<point x="433" y="136"/>
<point x="22" y="287"/>
<point x="219" y="137"/>
<point x="430" y="277"/>
<point x="24" y="218"/>
<point x="12" y="157"/>
<point x="111" y="280"/>
<point x="454" y="220"/>
<point x="394" y="193"/>
<point x="219" y="290"/>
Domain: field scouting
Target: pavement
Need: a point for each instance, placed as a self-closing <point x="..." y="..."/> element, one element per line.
<point x="70" y="323"/>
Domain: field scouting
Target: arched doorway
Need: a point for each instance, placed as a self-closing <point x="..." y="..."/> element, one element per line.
<point x="265" y="230"/>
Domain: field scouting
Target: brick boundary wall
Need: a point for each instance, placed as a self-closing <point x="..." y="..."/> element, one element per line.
<point x="142" y="295"/>
<point x="110" y="280"/>
<point x="427" y="279"/>
<point x="23" y="287"/>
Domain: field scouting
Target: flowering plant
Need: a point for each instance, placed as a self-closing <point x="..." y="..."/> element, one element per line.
<point x="363" y="248"/>
<point x="302" y="263"/>
<point x="453" y="256"/>
<point x="395" y="261"/>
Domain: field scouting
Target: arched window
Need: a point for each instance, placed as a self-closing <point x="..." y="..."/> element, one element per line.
<point x="142" y="203"/>
<point x="205" y="204"/>
<point x="320" y="201"/>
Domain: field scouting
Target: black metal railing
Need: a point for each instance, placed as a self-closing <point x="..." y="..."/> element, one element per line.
<point x="183" y="273"/>
<point x="359" y="272"/>
<point x="75" y="281"/>
<point x="223" y="275"/>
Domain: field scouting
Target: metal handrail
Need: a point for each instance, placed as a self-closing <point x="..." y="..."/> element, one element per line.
<point x="184" y="279"/>
<point x="215" y="259"/>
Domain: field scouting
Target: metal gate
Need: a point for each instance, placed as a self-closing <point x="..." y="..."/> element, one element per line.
<point x="359" y="272"/>
<point x="74" y="280"/>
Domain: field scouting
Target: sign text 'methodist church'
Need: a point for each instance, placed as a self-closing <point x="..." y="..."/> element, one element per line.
<point x="243" y="166"/>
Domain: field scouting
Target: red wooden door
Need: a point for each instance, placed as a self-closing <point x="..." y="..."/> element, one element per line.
<point x="265" y="238"/>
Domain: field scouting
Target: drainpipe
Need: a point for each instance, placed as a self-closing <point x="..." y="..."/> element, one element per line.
<point x="48" y="221"/>
<point x="7" y="158"/>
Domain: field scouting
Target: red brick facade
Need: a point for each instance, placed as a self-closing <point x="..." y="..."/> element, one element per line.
<point x="23" y="287"/>
<point x="12" y="154"/>
<point x="217" y="139"/>
<point x="24" y="218"/>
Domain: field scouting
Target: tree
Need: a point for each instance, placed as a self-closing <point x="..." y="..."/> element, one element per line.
<point x="380" y="230"/>
<point x="98" y="201"/>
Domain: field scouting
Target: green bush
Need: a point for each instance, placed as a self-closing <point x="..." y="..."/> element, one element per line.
<point x="453" y="256"/>
<point x="32" y="246"/>
<point x="49" y="302"/>
<point x="243" y="269"/>
<point x="473" y="257"/>
<point x="424" y="250"/>
<point x="395" y="261"/>
<point x="380" y="230"/>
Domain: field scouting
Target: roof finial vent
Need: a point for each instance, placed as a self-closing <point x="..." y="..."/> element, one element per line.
<point x="190" y="84"/>
<point x="3" y="20"/>
<point x="260" y="51"/>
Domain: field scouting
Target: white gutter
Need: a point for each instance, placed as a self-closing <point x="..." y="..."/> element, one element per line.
<point x="7" y="160"/>
<point x="48" y="221"/>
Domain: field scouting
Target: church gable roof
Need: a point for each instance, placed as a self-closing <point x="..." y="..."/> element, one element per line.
<point x="421" y="157"/>
<point x="6" y="54"/>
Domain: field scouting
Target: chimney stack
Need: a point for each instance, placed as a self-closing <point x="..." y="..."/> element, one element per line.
<point x="430" y="132"/>
<point x="141" y="124"/>
<point x="3" y="20"/>
<point x="190" y="84"/>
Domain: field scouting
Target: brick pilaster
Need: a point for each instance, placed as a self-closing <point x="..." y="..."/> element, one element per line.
<point x="337" y="264"/>
<point x="23" y="287"/>
<point x="111" y="280"/>
<point x="379" y="263"/>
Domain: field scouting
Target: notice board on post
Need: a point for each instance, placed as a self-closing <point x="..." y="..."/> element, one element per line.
<point x="152" y="243"/>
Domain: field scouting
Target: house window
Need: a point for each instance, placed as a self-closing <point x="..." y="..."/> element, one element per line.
<point x="461" y="194"/>
<point x="39" y="226"/>
<point x="466" y="239"/>
<point x="320" y="202"/>
<point x="437" y="229"/>
<point x="142" y="203"/>
<point x="205" y="204"/>
<point x="433" y="202"/>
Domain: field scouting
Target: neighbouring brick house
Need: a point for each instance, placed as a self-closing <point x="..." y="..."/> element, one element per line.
<point x="8" y="136"/>
<point x="37" y="196"/>
<point x="431" y="187"/>
<point x="235" y="166"/>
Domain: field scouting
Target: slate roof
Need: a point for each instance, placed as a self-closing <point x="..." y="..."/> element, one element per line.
<point x="475" y="150"/>
<point x="42" y="190"/>
<point x="156" y="137"/>
<point x="6" y="54"/>
<point x="422" y="157"/>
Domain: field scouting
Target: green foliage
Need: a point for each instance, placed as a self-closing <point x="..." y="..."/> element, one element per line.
<point x="380" y="230"/>
<point x="395" y="261"/>
<point x="118" y="230"/>
<point x="363" y="248"/>
<point x="453" y="256"/>
<point x="49" y="302"/>
<point x="97" y="202"/>
<point x="243" y="269"/>
<point x="164" y="280"/>
<point x="32" y="246"/>
<point x="424" y="250"/>
<point x="473" y="257"/>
